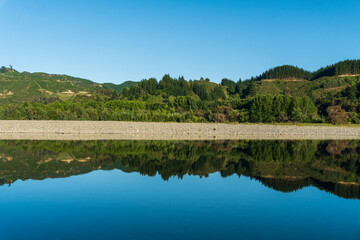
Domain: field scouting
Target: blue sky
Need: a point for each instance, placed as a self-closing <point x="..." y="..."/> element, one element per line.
<point x="115" y="41"/>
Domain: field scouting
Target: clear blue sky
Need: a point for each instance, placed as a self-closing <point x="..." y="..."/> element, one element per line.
<point x="115" y="40"/>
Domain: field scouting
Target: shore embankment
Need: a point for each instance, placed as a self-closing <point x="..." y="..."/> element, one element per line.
<point x="90" y="130"/>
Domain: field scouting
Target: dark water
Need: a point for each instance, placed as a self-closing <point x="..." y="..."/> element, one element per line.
<point x="180" y="190"/>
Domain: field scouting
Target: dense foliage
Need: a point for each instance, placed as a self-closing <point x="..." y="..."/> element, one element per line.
<point x="285" y="72"/>
<point x="107" y="105"/>
<point x="348" y="67"/>
<point x="168" y="86"/>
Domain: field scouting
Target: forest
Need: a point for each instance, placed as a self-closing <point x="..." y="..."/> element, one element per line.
<point x="347" y="67"/>
<point x="329" y="95"/>
<point x="106" y="105"/>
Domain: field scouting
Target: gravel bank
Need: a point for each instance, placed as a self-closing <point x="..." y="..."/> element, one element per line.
<point x="88" y="130"/>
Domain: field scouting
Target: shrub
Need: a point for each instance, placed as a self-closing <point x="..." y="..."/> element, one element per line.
<point x="337" y="115"/>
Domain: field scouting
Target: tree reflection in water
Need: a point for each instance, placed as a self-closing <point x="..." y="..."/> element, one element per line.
<point x="286" y="166"/>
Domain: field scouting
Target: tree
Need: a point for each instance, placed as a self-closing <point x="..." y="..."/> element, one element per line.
<point x="230" y="85"/>
<point x="337" y="115"/>
<point x="251" y="89"/>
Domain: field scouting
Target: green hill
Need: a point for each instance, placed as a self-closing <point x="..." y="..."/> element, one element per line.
<point x="281" y="94"/>
<point x="315" y="89"/>
<point x="285" y="72"/>
<point x="16" y="87"/>
<point x="343" y="68"/>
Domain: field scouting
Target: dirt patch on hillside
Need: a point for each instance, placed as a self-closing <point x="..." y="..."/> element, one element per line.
<point x="68" y="92"/>
<point x="6" y="94"/>
<point x="284" y="80"/>
<point x="349" y="75"/>
<point x="46" y="91"/>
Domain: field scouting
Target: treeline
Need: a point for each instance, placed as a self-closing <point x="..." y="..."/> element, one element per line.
<point x="168" y="86"/>
<point x="176" y="109"/>
<point x="347" y="67"/>
<point x="285" y="72"/>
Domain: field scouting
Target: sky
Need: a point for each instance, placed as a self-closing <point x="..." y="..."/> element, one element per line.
<point x="120" y="40"/>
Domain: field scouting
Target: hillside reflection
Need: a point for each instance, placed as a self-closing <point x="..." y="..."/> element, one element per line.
<point x="333" y="166"/>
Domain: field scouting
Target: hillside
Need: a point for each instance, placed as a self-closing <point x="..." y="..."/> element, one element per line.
<point x="343" y="68"/>
<point x="285" y="72"/>
<point x="315" y="89"/>
<point x="16" y="87"/>
<point x="281" y="94"/>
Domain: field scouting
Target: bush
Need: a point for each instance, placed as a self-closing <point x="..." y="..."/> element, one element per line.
<point x="337" y="115"/>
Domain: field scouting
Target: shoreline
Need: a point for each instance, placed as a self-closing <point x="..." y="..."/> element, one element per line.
<point x="109" y="130"/>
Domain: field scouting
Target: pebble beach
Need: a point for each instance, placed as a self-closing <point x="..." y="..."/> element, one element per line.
<point x="90" y="130"/>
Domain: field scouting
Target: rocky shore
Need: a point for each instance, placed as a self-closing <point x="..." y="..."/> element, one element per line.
<point x="88" y="130"/>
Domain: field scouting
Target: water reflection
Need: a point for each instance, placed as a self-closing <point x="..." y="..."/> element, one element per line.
<point x="333" y="166"/>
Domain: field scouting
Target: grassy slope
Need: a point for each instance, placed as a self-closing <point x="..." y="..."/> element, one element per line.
<point x="316" y="88"/>
<point x="18" y="87"/>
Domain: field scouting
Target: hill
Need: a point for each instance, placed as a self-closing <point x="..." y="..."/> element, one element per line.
<point x="343" y="68"/>
<point x="285" y="72"/>
<point x="315" y="89"/>
<point x="16" y="87"/>
<point x="281" y="94"/>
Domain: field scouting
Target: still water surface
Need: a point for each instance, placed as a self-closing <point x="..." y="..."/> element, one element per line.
<point x="180" y="190"/>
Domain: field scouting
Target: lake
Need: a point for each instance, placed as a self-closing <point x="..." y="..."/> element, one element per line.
<point x="180" y="189"/>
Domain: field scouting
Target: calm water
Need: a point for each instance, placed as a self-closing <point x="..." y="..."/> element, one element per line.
<point x="180" y="190"/>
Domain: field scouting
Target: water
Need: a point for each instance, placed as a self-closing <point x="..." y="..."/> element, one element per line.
<point x="180" y="190"/>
